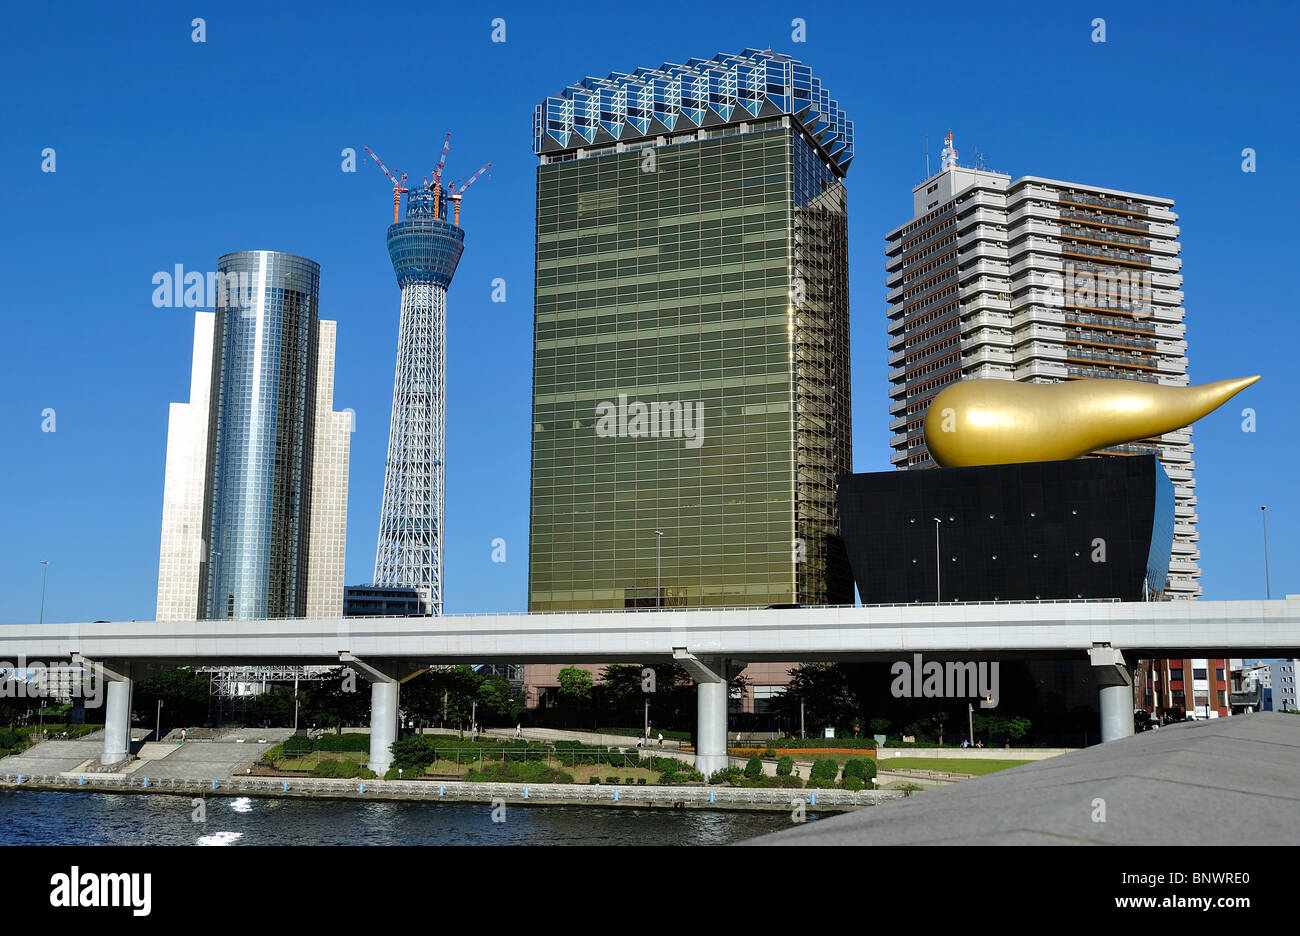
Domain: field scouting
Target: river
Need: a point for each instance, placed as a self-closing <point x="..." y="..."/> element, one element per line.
<point x="32" y="818"/>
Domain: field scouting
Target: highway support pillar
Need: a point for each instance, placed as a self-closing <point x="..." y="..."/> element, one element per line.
<point x="385" y="693"/>
<point x="119" y="686"/>
<point x="1114" y="690"/>
<point x="711" y="677"/>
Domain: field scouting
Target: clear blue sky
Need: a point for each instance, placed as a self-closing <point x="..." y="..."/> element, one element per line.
<point x="174" y="152"/>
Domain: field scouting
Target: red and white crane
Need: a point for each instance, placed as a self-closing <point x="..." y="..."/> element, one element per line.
<point x="399" y="185"/>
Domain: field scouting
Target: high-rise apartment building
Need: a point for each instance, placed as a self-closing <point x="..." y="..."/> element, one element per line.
<point x="255" y="497"/>
<point x="1038" y="280"/>
<point x="691" y="343"/>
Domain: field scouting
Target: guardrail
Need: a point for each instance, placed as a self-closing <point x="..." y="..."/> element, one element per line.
<point x="681" y="797"/>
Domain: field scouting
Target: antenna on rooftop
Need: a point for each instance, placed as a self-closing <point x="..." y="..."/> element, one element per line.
<point x="949" y="159"/>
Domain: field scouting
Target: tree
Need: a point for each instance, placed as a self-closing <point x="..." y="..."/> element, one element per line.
<point x="826" y="694"/>
<point x="455" y="690"/>
<point x="184" y="694"/>
<point x="498" y="700"/>
<point x="575" y="687"/>
<point x="341" y="699"/>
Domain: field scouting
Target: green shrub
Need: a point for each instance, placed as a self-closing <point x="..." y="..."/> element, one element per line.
<point x="863" y="769"/>
<point x="353" y="741"/>
<point x="753" y="768"/>
<point x="365" y="773"/>
<point x="594" y="781"/>
<point x="826" y="768"/>
<point x="412" y="753"/>
<point x="731" y="776"/>
<point x="518" y="772"/>
<point x="611" y="779"/>
<point x="297" y="745"/>
<point x="640" y="781"/>
<point x="785" y="766"/>
<point x="680" y="772"/>
<point x="339" y="769"/>
<point x="853" y="783"/>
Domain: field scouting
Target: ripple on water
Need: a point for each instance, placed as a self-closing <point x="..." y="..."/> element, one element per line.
<point x="220" y="838"/>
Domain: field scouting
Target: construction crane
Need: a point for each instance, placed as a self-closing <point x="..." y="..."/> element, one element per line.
<point x="399" y="185"/>
<point x="456" y="190"/>
<point x="437" y="175"/>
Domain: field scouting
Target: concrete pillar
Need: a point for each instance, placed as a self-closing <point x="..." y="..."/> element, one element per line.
<point x="117" y="720"/>
<point x="383" y="723"/>
<point x="710" y="709"/>
<point x="1116" y="712"/>
<point x="711" y="727"/>
<point x="1114" y="692"/>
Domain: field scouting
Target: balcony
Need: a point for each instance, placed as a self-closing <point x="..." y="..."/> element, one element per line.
<point x="1028" y="209"/>
<point x="1039" y="315"/>
<point x="1036" y="332"/>
<point x="987" y="303"/>
<point x="1049" y="369"/>
<point x="1166" y="264"/>
<point x="987" y="356"/>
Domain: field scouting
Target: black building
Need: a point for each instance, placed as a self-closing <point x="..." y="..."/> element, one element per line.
<point x="1085" y="528"/>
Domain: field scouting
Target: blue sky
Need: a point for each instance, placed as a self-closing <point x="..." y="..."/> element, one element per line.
<point x="170" y="151"/>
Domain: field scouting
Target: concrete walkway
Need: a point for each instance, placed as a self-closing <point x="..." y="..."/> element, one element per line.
<point x="193" y="760"/>
<point x="1226" y="781"/>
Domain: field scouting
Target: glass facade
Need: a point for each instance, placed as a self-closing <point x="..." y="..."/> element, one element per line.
<point x="691" y="374"/>
<point x="259" y="469"/>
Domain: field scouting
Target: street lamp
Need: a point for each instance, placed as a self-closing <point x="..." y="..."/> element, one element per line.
<point x="45" y="570"/>
<point x="659" y="552"/>
<point x="1268" y="587"/>
<point x="938" y="592"/>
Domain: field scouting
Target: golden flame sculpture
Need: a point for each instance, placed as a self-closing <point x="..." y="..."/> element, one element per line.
<point x="998" y="422"/>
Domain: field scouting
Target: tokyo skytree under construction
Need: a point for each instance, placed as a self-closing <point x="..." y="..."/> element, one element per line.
<point x="425" y="248"/>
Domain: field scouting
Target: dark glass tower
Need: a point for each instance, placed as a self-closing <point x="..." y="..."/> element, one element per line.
<point x="691" y="365"/>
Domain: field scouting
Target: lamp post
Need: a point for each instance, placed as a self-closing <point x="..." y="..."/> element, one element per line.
<point x="45" y="570"/>
<point x="1268" y="587"/>
<point x="938" y="591"/>
<point x="970" y="721"/>
<point x="659" y="552"/>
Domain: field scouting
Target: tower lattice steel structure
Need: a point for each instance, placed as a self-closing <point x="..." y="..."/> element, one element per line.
<point x="425" y="249"/>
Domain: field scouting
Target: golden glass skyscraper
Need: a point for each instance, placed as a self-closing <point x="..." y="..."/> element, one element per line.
<point x="691" y="362"/>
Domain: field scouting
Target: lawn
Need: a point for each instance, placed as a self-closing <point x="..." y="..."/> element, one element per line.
<point x="948" y="764"/>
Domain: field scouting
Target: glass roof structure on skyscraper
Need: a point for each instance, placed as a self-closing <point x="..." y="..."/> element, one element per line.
<point x="703" y="93"/>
